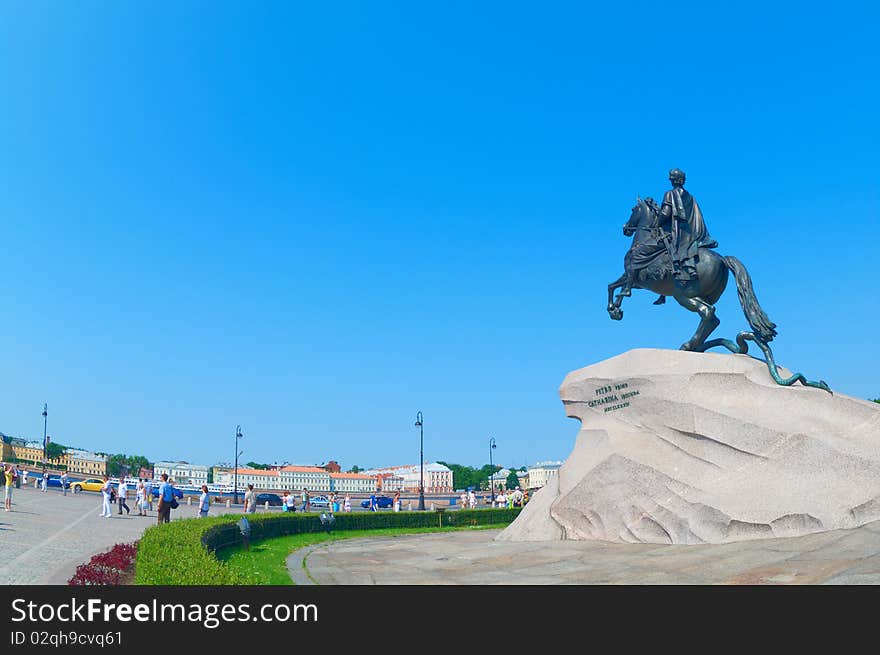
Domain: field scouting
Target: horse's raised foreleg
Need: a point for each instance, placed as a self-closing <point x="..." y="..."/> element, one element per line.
<point x="614" y="309"/>
<point x="708" y="321"/>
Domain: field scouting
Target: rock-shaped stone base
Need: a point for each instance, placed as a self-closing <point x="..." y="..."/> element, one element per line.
<point x="687" y="448"/>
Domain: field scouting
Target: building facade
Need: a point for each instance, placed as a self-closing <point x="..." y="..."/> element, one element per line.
<point x="86" y="463"/>
<point x="499" y="479"/>
<point x="540" y="473"/>
<point x="74" y="460"/>
<point x="287" y="478"/>
<point x="358" y="483"/>
<point x="263" y="480"/>
<point x="438" y="478"/>
<point x="297" y="478"/>
<point x="182" y="472"/>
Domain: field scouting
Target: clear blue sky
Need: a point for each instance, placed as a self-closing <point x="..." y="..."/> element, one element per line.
<point x="316" y="219"/>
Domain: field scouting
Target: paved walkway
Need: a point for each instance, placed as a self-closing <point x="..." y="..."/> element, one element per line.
<point x="473" y="558"/>
<point x="47" y="535"/>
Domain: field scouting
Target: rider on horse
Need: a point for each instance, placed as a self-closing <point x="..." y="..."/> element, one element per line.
<point x="689" y="232"/>
<point x="679" y="231"/>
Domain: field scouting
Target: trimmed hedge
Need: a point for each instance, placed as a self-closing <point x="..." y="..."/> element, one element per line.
<point x="182" y="552"/>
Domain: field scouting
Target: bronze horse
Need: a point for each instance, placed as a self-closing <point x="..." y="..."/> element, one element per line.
<point x="648" y="265"/>
<point x="699" y="297"/>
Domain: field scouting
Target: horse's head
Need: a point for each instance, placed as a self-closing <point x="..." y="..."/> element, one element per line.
<point x="642" y="214"/>
<point x="635" y="217"/>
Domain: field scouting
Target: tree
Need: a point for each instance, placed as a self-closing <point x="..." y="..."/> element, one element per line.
<point x="468" y="476"/>
<point x="486" y="471"/>
<point x="121" y="464"/>
<point x="259" y="467"/>
<point x="355" y="469"/>
<point x="877" y="400"/>
<point x="512" y="480"/>
<point x="54" y="450"/>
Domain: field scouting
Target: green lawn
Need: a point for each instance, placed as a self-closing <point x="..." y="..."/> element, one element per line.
<point x="266" y="561"/>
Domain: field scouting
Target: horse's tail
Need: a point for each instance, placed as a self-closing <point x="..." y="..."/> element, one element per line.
<point x="762" y="326"/>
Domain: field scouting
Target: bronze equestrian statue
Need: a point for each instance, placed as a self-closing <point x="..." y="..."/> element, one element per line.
<point x="673" y="255"/>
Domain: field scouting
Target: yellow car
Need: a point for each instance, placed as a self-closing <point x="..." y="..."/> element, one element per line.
<point x="89" y="484"/>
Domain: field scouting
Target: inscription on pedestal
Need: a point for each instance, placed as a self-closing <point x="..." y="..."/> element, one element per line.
<point x="613" y="397"/>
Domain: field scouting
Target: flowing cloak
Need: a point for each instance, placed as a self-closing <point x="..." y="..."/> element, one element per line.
<point x="692" y="232"/>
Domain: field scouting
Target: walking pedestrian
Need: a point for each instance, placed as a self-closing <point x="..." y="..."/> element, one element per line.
<point x="8" y="477"/>
<point x="105" y="498"/>
<point x="166" y="498"/>
<point x="44" y="484"/>
<point x="64" y="483"/>
<point x="24" y="477"/>
<point x="306" y="500"/>
<point x="250" y="500"/>
<point x="139" y="497"/>
<point x="204" y="502"/>
<point x="148" y="495"/>
<point x="122" y="495"/>
<point x="291" y="503"/>
<point x="396" y="500"/>
<point x="346" y="503"/>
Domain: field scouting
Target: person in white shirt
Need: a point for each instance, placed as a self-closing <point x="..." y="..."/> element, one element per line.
<point x="472" y="499"/>
<point x="105" y="496"/>
<point x="122" y="495"/>
<point x="24" y="476"/>
<point x="139" y="497"/>
<point x="45" y="482"/>
<point x="204" y="502"/>
<point x="64" y="483"/>
<point x="291" y="503"/>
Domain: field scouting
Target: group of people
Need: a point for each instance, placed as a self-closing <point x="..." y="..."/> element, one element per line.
<point x="143" y="497"/>
<point x="510" y="499"/>
<point x="118" y="492"/>
<point x="111" y="492"/>
<point x="13" y="477"/>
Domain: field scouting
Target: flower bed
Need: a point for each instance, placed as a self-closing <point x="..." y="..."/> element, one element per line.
<point x="116" y="566"/>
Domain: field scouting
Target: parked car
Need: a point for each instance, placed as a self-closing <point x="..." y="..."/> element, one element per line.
<point x="274" y="500"/>
<point x="381" y="502"/>
<point x="319" y="501"/>
<point x="89" y="484"/>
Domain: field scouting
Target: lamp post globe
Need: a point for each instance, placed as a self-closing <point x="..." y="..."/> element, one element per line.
<point x="420" y="425"/>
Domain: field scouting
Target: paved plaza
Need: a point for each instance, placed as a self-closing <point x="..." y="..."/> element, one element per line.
<point x="48" y="535"/>
<point x="473" y="558"/>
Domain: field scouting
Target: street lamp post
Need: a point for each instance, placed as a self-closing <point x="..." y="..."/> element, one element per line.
<point x="492" y="467"/>
<point x="45" y="420"/>
<point x="238" y="435"/>
<point x="421" y="460"/>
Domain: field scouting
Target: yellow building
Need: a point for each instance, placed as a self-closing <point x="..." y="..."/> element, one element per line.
<point x="31" y="453"/>
<point x="89" y="464"/>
